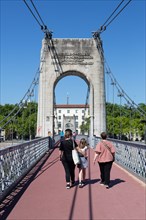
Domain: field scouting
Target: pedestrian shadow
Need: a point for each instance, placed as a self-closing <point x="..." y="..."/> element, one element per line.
<point x="91" y="181"/>
<point x="116" y="181"/>
<point x="9" y="202"/>
<point x="86" y="182"/>
<point x="47" y="166"/>
<point x="94" y="181"/>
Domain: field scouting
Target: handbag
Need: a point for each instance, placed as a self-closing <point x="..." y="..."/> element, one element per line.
<point x="109" y="150"/>
<point x="75" y="155"/>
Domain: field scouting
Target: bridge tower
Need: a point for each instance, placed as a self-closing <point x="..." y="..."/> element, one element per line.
<point x="65" y="57"/>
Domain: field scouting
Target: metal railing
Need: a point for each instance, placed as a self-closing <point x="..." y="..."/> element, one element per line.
<point x="17" y="160"/>
<point x="130" y="155"/>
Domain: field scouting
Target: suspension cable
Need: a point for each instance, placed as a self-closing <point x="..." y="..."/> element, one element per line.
<point x="112" y="14"/>
<point x="123" y="93"/>
<point x="118" y="13"/>
<point x="33" y="14"/>
<point x="86" y="103"/>
<point x="35" y="81"/>
<point x="20" y="105"/>
<point x="9" y="113"/>
<point x="37" y="12"/>
<point x="43" y="26"/>
<point x="55" y="113"/>
<point x="27" y="95"/>
<point x="103" y="27"/>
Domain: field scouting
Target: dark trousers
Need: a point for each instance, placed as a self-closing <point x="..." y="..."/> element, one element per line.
<point x="69" y="168"/>
<point x="105" y="169"/>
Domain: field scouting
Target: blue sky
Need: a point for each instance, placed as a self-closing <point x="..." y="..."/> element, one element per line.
<point x="123" y="43"/>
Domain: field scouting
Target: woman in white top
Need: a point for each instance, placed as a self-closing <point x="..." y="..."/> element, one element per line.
<point x="82" y="151"/>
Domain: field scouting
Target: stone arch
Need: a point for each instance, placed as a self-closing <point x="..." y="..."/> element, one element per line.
<point x="78" y="57"/>
<point x="73" y="73"/>
<point x="69" y="120"/>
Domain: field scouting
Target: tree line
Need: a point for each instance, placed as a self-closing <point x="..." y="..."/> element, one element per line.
<point x="123" y="122"/>
<point x="23" y="125"/>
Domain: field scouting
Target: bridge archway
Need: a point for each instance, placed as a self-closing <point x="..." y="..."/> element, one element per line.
<point x="65" y="57"/>
<point x="71" y="120"/>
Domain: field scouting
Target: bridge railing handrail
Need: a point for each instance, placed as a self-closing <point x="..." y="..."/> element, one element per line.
<point x="17" y="160"/>
<point x="129" y="155"/>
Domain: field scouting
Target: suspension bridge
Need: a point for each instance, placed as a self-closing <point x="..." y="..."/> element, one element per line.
<point x="32" y="184"/>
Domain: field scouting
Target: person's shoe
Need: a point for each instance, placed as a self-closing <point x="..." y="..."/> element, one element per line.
<point x="81" y="185"/>
<point x="68" y="186"/>
<point x="84" y="181"/>
<point x="107" y="186"/>
<point x="101" y="183"/>
<point x="72" y="183"/>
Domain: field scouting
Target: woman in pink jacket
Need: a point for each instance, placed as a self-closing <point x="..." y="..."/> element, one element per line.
<point x="104" y="155"/>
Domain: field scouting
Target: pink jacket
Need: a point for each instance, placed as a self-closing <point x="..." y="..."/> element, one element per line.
<point x="104" y="153"/>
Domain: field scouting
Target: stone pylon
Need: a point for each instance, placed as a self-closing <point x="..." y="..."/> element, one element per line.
<point x="64" y="57"/>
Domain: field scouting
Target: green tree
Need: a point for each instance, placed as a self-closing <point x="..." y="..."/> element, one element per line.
<point x="85" y="126"/>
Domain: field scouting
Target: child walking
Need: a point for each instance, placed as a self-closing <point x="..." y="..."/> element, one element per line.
<point x="82" y="151"/>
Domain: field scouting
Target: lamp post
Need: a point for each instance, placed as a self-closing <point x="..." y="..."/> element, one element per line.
<point x="24" y="107"/>
<point x="144" y="121"/>
<point x="130" y="137"/>
<point x="121" y="131"/>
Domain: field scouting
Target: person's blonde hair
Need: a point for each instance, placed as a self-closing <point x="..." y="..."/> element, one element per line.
<point x="82" y="143"/>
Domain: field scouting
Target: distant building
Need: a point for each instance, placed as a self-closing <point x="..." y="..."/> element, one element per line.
<point x="70" y="116"/>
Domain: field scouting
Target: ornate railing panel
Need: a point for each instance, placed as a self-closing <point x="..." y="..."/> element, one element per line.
<point x="16" y="161"/>
<point x="131" y="156"/>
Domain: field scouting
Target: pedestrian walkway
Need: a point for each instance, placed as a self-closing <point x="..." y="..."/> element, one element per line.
<point x="43" y="195"/>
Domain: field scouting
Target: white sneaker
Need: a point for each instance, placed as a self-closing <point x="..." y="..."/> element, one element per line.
<point x="81" y="185"/>
<point x="102" y="183"/>
<point x="67" y="186"/>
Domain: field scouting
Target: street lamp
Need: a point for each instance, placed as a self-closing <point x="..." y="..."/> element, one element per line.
<point x="24" y="107"/>
<point x="144" y="121"/>
<point x="120" y="95"/>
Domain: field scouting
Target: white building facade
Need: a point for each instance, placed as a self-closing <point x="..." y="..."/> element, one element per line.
<point x="70" y="116"/>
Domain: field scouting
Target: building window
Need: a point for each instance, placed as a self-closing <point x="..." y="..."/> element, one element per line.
<point x="59" y="111"/>
<point x="47" y="118"/>
<point x="68" y="111"/>
<point x="59" y="124"/>
<point x="59" y="117"/>
<point x="82" y="117"/>
<point x="76" y="111"/>
<point x="76" y="124"/>
<point x="83" y="111"/>
<point x="76" y="117"/>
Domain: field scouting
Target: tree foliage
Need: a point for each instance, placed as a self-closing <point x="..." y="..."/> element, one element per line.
<point x="123" y="122"/>
<point x="23" y="125"/>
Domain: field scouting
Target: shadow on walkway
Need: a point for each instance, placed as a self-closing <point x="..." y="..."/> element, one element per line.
<point x="42" y="194"/>
<point x="11" y="200"/>
<point x="115" y="182"/>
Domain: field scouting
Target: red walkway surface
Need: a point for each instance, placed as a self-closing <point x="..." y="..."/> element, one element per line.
<point x="46" y="198"/>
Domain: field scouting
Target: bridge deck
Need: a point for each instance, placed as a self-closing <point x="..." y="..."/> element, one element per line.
<point x="43" y="196"/>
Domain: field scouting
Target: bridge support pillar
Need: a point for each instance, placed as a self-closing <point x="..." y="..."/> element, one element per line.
<point x="65" y="57"/>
